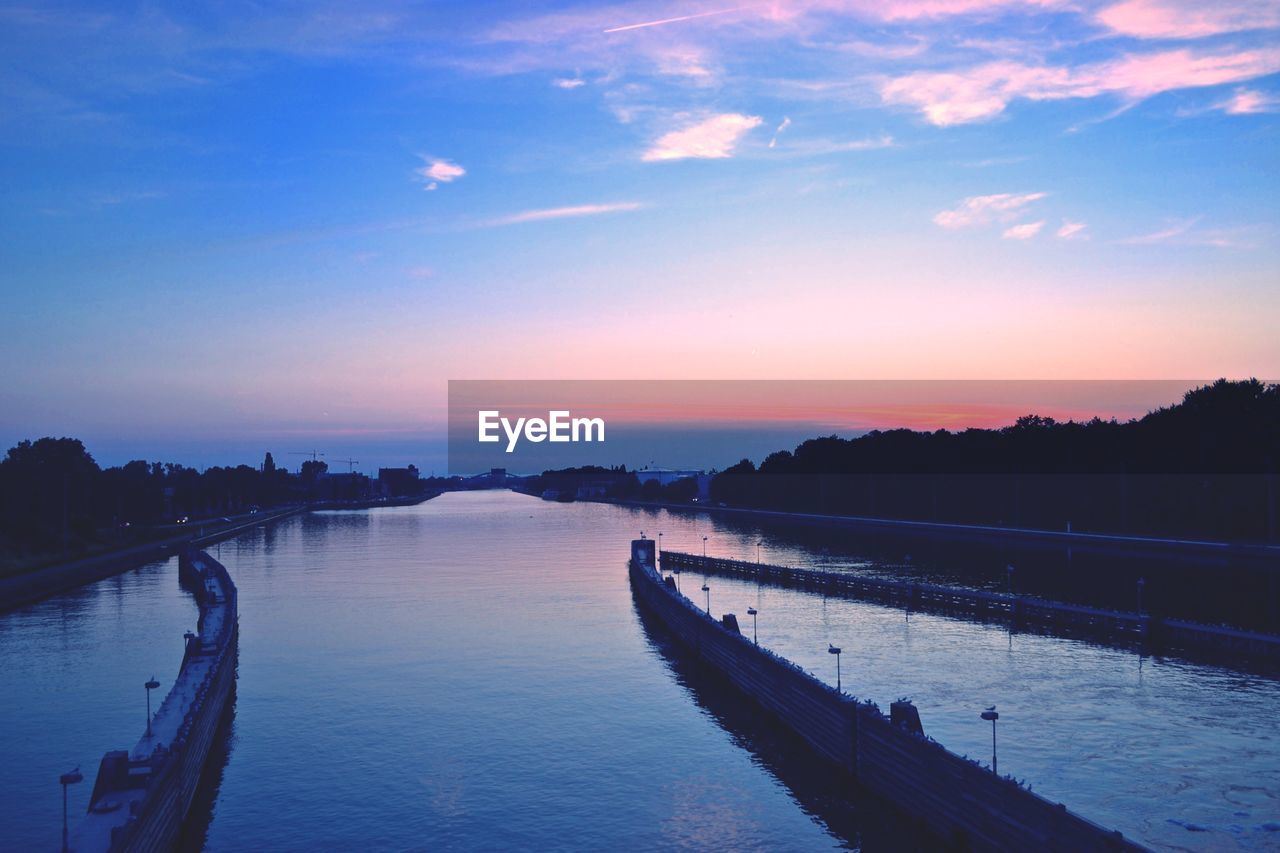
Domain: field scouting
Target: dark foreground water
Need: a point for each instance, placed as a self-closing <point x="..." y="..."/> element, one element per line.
<point x="472" y="674"/>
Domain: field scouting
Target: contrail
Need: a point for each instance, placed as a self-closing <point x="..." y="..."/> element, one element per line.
<point x="671" y="20"/>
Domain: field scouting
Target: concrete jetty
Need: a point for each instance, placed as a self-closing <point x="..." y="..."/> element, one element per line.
<point x="1152" y="631"/>
<point x="142" y="795"/>
<point x="958" y="799"/>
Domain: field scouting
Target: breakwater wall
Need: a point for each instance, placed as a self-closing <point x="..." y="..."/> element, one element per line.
<point x="1149" y="630"/>
<point x="141" y="796"/>
<point x="960" y="801"/>
<point x="1267" y="554"/>
<point x="29" y="587"/>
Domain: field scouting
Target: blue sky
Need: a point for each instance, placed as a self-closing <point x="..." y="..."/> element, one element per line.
<point x="247" y="226"/>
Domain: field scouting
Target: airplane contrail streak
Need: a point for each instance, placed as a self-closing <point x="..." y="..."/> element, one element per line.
<point x="626" y="27"/>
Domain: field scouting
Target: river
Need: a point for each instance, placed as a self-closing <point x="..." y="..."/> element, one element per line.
<point x="471" y="674"/>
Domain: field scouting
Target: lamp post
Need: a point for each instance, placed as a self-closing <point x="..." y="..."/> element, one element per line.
<point x="150" y="685"/>
<point x="835" y="650"/>
<point x="704" y="549"/>
<point x="1141" y="583"/>
<point x="1008" y="573"/>
<point x="707" y="590"/>
<point x="990" y="714"/>
<point x="659" y="542"/>
<point x="758" y="544"/>
<point x="67" y="779"/>
<point x="753" y="613"/>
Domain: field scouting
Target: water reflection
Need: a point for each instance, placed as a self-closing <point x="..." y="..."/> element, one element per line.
<point x="856" y="817"/>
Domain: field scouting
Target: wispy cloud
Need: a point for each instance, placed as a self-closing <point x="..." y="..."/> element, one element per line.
<point x="1188" y="19"/>
<point x="1184" y="232"/>
<point x="546" y="213"/>
<point x="439" y="171"/>
<point x="1248" y="102"/>
<point x="985" y="209"/>
<point x="568" y="82"/>
<point x="1172" y="231"/>
<point x="1025" y="231"/>
<point x="984" y="91"/>
<point x="1072" y="230"/>
<point x="786" y="122"/>
<point x="712" y="138"/>
<point x="819" y="147"/>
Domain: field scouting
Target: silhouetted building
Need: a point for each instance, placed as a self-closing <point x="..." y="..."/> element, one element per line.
<point x="396" y="482"/>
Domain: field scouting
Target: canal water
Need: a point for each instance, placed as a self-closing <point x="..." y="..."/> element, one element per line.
<point x="472" y="674"/>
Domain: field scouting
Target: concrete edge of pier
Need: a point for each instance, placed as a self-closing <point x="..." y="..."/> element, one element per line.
<point x="959" y="799"/>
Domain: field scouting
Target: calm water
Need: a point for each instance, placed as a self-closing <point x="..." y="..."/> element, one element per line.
<point x="471" y="674"/>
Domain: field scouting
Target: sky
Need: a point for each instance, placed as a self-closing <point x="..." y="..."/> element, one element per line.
<point x="239" y="226"/>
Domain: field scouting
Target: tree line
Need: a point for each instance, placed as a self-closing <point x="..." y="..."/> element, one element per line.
<point x="1203" y="467"/>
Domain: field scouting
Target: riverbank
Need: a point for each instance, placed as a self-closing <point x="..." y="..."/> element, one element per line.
<point x="20" y="590"/>
<point x="970" y="532"/>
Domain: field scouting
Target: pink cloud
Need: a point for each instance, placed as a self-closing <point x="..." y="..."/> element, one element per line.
<point x="439" y="171"/>
<point x="713" y="138"/>
<point x="984" y="209"/>
<point x="1249" y="101"/>
<point x="1025" y="231"/>
<point x="1184" y="19"/>
<point x="1071" y="230"/>
<point x="984" y="91"/>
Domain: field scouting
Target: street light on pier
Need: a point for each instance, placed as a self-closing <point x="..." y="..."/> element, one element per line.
<point x="150" y="685"/>
<point x="990" y="714"/>
<point x="707" y="590"/>
<point x="835" y="650"/>
<point x="704" y="549"/>
<point x="66" y="779"/>
<point x="758" y="544"/>
<point x="753" y="613"/>
<point x="659" y="542"/>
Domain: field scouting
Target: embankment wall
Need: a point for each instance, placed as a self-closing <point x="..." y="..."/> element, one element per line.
<point x="20" y="590"/>
<point x="958" y="798"/>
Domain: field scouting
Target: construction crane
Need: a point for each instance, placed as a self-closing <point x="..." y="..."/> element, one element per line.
<point x="312" y="453"/>
<point x="350" y="463"/>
